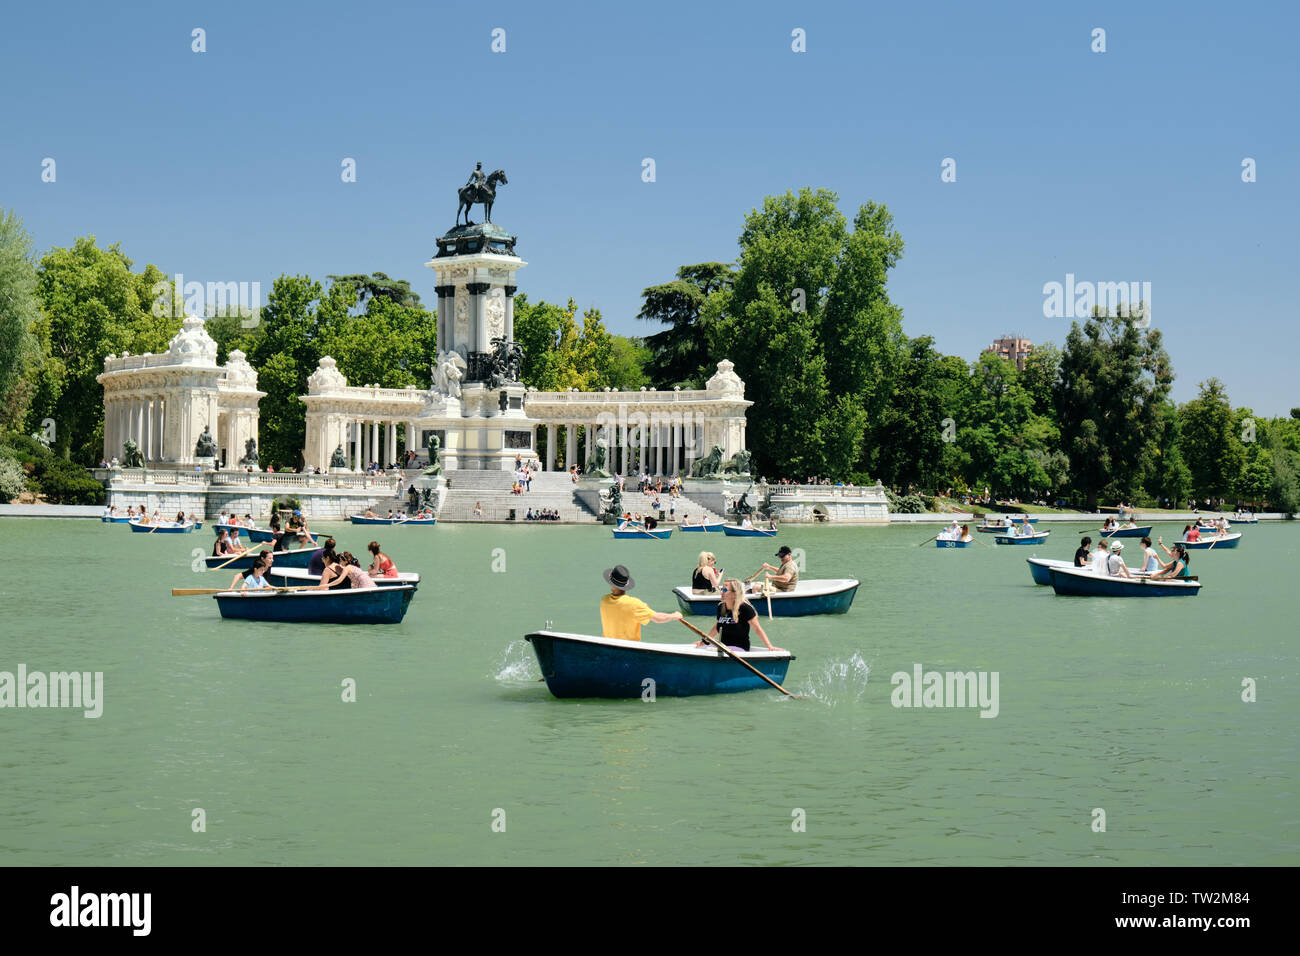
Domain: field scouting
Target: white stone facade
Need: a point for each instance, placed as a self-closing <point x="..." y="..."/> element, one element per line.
<point x="164" y="402"/>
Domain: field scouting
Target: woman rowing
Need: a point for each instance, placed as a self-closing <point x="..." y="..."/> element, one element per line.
<point x="707" y="575"/>
<point x="735" y="617"/>
<point x="340" y="569"/>
<point x="382" y="566"/>
<point x="1178" y="565"/>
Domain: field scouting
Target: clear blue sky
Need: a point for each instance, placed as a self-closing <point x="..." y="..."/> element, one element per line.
<point x="1118" y="166"/>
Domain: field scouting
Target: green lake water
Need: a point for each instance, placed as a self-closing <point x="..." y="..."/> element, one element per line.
<point x="1131" y="706"/>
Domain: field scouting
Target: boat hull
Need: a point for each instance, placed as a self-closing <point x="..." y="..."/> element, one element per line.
<point x="1080" y="583"/>
<point x="283" y="559"/>
<point x="167" y="528"/>
<point x="578" y="665"/>
<point x="633" y="535"/>
<point x="350" y="606"/>
<point x="834" y="596"/>
<point x="710" y="528"/>
<point x="357" y="519"/>
<point x="948" y="543"/>
<point x="1040" y="569"/>
<point x="1225" y="541"/>
<point x="114" y="519"/>
<point x="732" y="531"/>
<point x="255" y="535"/>
<point x="1127" y="533"/>
<point x="1034" y="538"/>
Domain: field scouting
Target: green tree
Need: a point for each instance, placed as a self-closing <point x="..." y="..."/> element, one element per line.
<point x="678" y="354"/>
<point x="811" y="330"/>
<point x="20" y="311"/>
<point x="908" y="443"/>
<point x="378" y="285"/>
<point x="1211" y="436"/>
<point x="94" y="305"/>
<point x="1114" y="377"/>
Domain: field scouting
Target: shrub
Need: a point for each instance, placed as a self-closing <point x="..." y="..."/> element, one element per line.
<point x="13" y="479"/>
<point x="66" y="483"/>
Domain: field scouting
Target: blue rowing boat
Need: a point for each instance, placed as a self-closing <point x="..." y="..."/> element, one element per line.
<point x="162" y="527"/>
<point x="630" y="533"/>
<point x="1034" y="538"/>
<point x="813" y="596"/>
<point x="953" y="542"/>
<point x="700" y="527"/>
<point x="283" y="559"/>
<point x="1040" y="569"/>
<point x="582" y="665"/>
<point x="114" y="519"/>
<point x="349" y="606"/>
<point x="1126" y="532"/>
<point x="735" y="531"/>
<point x="1218" y="542"/>
<point x="358" y="519"/>
<point x="1081" y="582"/>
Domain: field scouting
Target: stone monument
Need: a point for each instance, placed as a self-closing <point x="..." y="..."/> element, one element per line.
<point x="477" y="400"/>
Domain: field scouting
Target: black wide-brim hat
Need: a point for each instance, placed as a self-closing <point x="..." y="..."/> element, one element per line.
<point x="619" y="577"/>
<point x="784" y="549"/>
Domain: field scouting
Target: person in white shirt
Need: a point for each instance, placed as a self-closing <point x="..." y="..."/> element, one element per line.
<point x="1100" y="555"/>
<point x="1115" y="563"/>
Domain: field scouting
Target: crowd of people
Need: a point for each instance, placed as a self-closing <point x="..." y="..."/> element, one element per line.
<point x="1108" y="558"/>
<point x="335" y="570"/>
<point x="542" y="514"/>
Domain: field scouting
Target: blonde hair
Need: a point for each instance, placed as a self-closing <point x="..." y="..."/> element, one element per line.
<point x="734" y="586"/>
<point x="706" y="556"/>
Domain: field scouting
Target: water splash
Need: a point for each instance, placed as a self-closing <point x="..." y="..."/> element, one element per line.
<point x="518" y="663"/>
<point x="839" y="681"/>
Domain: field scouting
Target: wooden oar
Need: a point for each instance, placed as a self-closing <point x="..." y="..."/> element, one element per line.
<point x="767" y="593"/>
<point x="186" y="592"/>
<point x="928" y="540"/>
<point x="730" y="653"/>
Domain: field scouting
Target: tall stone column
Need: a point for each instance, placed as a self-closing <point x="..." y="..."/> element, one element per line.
<point x="374" y="442"/>
<point x="675" y="439"/>
<point x="477" y="302"/>
<point x="510" y="312"/>
<point x="445" y="304"/>
<point x="138" y="420"/>
<point x="150" y="454"/>
<point x="354" y="433"/>
<point x="552" y="437"/>
<point x="641" y="461"/>
<point x="391" y="453"/>
<point x="623" y="442"/>
<point x="570" y="444"/>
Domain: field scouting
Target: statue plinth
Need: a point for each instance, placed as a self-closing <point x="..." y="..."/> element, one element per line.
<point x="481" y="237"/>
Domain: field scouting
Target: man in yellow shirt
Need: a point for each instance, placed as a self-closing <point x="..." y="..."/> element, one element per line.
<point x="622" y="615"/>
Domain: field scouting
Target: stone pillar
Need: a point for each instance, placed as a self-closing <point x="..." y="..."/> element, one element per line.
<point x="510" y="312"/>
<point x="642" y="463"/>
<point x="478" y="314"/>
<point x="552" y="436"/>
<point x="677" y="448"/>
<point x="355" y="429"/>
<point x="150" y="453"/>
<point x="374" y="442"/>
<point x="570" y="444"/>
<point x="445" y="304"/>
<point x="623" y="439"/>
<point x="391" y="454"/>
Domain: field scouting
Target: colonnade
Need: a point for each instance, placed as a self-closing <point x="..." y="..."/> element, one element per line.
<point x="375" y="439"/>
<point x="141" y="417"/>
<point x="659" y="448"/>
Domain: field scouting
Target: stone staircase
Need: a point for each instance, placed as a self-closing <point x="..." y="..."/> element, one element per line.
<point x="400" y="502"/>
<point x="634" y="501"/>
<point x="491" y="491"/>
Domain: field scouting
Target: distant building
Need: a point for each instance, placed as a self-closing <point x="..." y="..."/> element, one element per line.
<point x="1013" y="349"/>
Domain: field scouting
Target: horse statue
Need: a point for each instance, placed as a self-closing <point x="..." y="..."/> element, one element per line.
<point x="596" y="467"/>
<point x="708" y="466"/>
<point x="484" y="194"/>
<point x="251" y="456"/>
<point x="131" y="457"/>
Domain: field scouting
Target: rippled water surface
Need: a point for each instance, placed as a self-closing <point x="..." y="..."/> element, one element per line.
<point x="1133" y="707"/>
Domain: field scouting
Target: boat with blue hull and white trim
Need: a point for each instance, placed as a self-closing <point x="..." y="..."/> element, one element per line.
<point x="301" y="577"/>
<point x="1034" y="538"/>
<point x="1040" y="569"/>
<point x="283" y="559"/>
<point x="361" y="519"/>
<point x="686" y="528"/>
<point x="349" y="606"/>
<point x="583" y="665"/>
<point x="1217" y="542"/>
<point x="826" y="596"/>
<point x="954" y="542"/>
<point x="115" y="519"/>
<point x="736" y="531"/>
<point x="1081" y="582"/>
<point x="629" y="534"/>
<point x="163" y="527"/>
<point x="1126" y="532"/>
